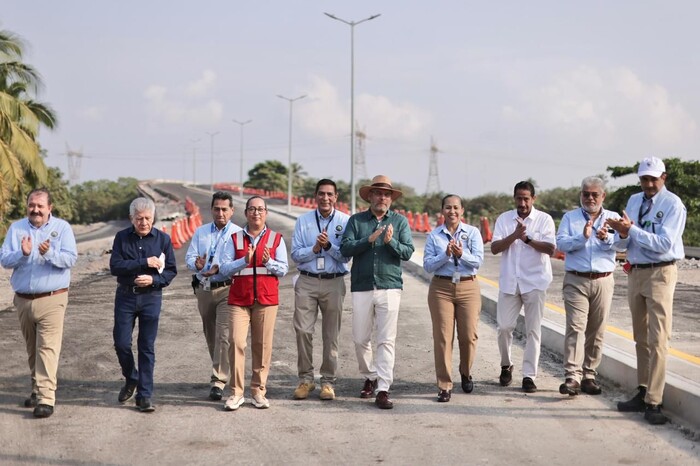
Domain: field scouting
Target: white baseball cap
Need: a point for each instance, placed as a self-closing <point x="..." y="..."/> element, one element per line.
<point x="651" y="166"/>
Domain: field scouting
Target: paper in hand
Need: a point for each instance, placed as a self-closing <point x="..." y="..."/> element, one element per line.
<point x="161" y="258"/>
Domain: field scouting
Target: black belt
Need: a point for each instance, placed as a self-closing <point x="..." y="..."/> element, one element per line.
<point x="591" y="275"/>
<point x="461" y="279"/>
<point x="137" y="289"/>
<point x="41" y="295"/>
<point x="324" y="276"/>
<point x="215" y="285"/>
<point x="652" y="266"/>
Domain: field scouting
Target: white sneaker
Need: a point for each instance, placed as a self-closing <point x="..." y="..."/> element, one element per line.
<point x="233" y="403"/>
<point x="260" y="402"/>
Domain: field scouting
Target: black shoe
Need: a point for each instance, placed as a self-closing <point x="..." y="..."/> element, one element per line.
<point x="506" y="376"/>
<point x="368" y="389"/>
<point x="444" y="396"/>
<point x="127" y="392"/>
<point x="653" y="415"/>
<point x="636" y="404"/>
<point x="467" y="383"/>
<point x="42" y="411"/>
<point x="591" y="387"/>
<point x="570" y="387"/>
<point x="529" y="385"/>
<point x="382" y="401"/>
<point x="215" y="393"/>
<point x="31" y="401"/>
<point x="145" y="405"/>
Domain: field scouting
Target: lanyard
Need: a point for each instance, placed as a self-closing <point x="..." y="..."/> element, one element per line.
<point x="318" y="221"/>
<point x="213" y="245"/>
<point x="450" y="237"/>
<point x="641" y="207"/>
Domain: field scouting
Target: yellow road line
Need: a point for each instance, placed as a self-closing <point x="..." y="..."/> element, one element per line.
<point x="679" y="354"/>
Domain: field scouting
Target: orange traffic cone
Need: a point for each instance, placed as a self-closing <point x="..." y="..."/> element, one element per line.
<point x="486" y="234"/>
<point x="175" y="237"/>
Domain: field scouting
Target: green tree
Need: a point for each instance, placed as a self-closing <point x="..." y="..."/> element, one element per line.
<point x="21" y="117"/>
<point x="270" y="175"/>
<point x="683" y="179"/>
<point x="102" y="200"/>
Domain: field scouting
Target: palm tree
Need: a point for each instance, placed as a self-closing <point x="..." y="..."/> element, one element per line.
<point x="20" y="120"/>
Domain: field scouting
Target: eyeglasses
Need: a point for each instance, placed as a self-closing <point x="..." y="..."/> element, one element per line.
<point x="590" y="194"/>
<point x="252" y="210"/>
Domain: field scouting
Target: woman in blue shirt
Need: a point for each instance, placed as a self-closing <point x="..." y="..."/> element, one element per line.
<point x="454" y="252"/>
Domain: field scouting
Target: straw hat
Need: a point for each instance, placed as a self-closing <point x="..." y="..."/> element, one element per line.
<point x="380" y="182"/>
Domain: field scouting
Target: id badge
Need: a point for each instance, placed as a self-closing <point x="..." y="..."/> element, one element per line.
<point x="456" y="276"/>
<point x="321" y="263"/>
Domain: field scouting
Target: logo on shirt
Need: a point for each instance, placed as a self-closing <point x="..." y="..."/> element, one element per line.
<point x="338" y="227"/>
<point x="464" y="236"/>
<point x="54" y="234"/>
<point x="659" y="214"/>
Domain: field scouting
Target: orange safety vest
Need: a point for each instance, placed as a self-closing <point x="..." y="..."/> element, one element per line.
<point x="254" y="282"/>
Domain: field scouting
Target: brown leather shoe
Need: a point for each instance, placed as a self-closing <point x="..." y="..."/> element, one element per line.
<point x="591" y="387"/>
<point x="382" y="401"/>
<point x="444" y="396"/>
<point x="368" y="389"/>
<point x="570" y="387"/>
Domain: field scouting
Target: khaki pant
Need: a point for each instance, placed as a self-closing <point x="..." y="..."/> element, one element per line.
<point x="454" y="305"/>
<point x="261" y="320"/>
<point x="310" y="295"/>
<point x="587" y="303"/>
<point x="650" y="296"/>
<point x="216" y="320"/>
<point x="41" y="322"/>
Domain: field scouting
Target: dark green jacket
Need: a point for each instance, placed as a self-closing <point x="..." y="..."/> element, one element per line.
<point x="376" y="264"/>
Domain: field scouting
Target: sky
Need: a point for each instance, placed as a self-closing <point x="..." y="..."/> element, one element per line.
<point x="509" y="90"/>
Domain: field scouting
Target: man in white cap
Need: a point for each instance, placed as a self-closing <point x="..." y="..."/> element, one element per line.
<point x="377" y="239"/>
<point x="651" y="228"/>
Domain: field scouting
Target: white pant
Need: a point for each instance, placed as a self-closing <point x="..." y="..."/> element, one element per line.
<point x="507" y="313"/>
<point x="378" y="309"/>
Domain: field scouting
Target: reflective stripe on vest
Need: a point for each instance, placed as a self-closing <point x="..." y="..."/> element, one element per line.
<point x="238" y="239"/>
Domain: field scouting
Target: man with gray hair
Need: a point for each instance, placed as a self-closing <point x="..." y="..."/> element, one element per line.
<point x="144" y="263"/>
<point x="587" y="241"/>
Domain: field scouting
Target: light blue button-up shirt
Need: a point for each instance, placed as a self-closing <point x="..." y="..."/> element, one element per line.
<point x="209" y="242"/>
<point x="306" y="230"/>
<point x="436" y="260"/>
<point x="586" y="254"/>
<point x="658" y="235"/>
<point x="35" y="273"/>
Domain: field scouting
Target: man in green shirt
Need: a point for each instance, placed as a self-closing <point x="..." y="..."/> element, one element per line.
<point x="377" y="239"/>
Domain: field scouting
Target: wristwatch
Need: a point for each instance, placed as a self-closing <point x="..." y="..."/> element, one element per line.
<point x="527" y="240"/>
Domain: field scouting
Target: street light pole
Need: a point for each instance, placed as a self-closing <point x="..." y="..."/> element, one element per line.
<point x="240" y="179"/>
<point x="211" y="159"/>
<point x="289" y="164"/>
<point x="194" y="160"/>
<point x="352" y="25"/>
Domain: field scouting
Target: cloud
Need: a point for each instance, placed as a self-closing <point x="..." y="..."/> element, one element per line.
<point x="600" y="108"/>
<point x="187" y="104"/>
<point x="93" y="113"/>
<point x="326" y="115"/>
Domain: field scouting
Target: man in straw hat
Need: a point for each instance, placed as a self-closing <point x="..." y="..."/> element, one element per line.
<point x="377" y="239"/>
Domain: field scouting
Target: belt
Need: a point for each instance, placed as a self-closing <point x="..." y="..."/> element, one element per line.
<point x="137" y="289"/>
<point x="652" y="266"/>
<point x="591" y="275"/>
<point x="461" y="279"/>
<point x="215" y="285"/>
<point x="41" y="295"/>
<point x="324" y="276"/>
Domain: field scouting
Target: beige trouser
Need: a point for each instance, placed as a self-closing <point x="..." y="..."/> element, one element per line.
<point x="310" y="295"/>
<point x="216" y="320"/>
<point x="41" y="321"/>
<point x="587" y="302"/>
<point x="454" y="304"/>
<point x="650" y="297"/>
<point x="261" y="320"/>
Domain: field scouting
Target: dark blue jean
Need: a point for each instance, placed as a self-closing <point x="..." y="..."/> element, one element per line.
<point x="129" y="306"/>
